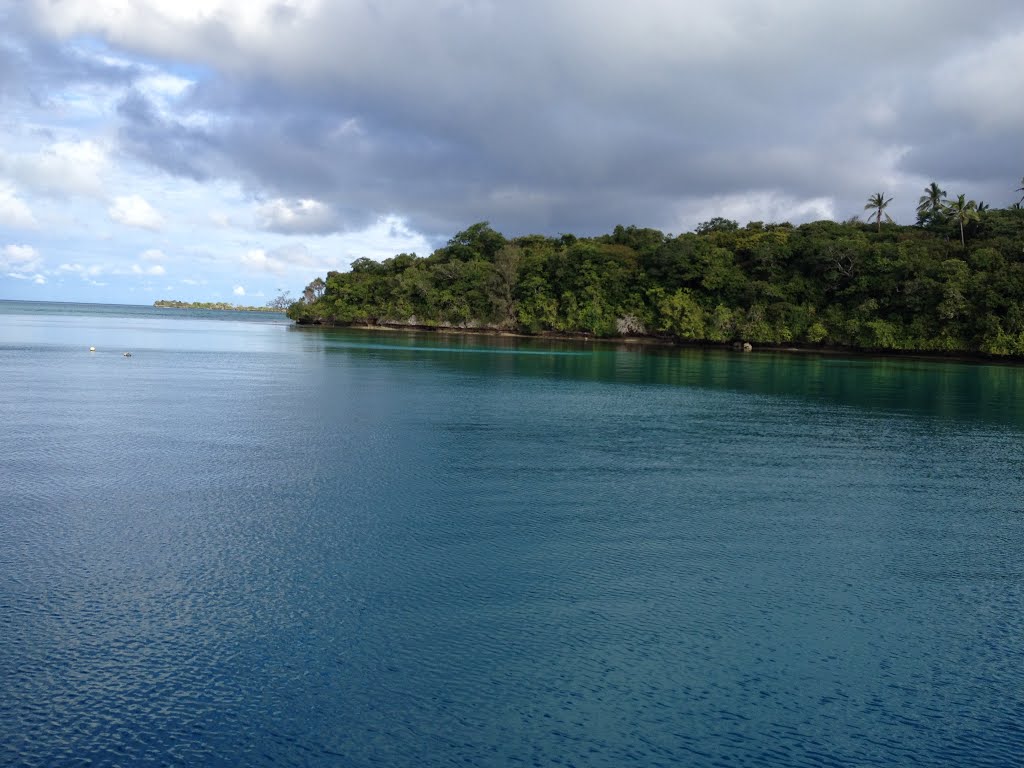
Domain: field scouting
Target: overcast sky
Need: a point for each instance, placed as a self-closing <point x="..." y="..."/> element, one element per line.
<point x="229" y="149"/>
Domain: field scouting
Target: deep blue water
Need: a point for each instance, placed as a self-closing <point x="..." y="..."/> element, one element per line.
<point x="254" y="544"/>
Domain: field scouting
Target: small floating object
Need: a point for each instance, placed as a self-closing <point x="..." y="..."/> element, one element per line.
<point x="127" y="354"/>
<point x="92" y="349"/>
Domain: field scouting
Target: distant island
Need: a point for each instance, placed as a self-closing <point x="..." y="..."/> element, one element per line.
<point x="221" y="305"/>
<point x="952" y="283"/>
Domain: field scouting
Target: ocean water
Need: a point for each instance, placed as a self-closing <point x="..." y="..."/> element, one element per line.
<point x="256" y="544"/>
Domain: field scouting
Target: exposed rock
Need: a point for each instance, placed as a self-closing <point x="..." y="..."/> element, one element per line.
<point x="412" y="321"/>
<point x="630" y="325"/>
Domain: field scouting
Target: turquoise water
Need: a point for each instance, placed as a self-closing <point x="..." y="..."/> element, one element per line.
<point x="255" y="544"/>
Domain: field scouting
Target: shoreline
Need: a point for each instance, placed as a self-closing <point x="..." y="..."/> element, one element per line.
<point x="661" y="342"/>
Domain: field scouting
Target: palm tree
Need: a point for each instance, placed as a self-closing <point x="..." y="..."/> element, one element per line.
<point x="983" y="206"/>
<point x="878" y="203"/>
<point x="929" y="205"/>
<point x="963" y="211"/>
<point x="1021" y="188"/>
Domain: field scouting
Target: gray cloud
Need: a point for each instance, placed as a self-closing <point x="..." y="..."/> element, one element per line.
<point x="290" y="217"/>
<point x="562" y="117"/>
<point x="33" y="66"/>
<point x="166" y="143"/>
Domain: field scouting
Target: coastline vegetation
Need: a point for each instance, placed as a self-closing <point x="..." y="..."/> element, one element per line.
<point x="953" y="282"/>
<point x="219" y="305"/>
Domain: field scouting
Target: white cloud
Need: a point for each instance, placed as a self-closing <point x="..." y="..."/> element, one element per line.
<point x="305" y="216"/>
<point x="152" y="254"/>
<point x="65" y="168"/>
<point x="14" y="212"/>
<point x="87" y="273"/>
<point x="156" y="270"/>
<point x="166" y="24"/>
<point x="279" y="261"/>
<point x="134" y="211"/>
<point x="257" y="259"/>
<point x="765" y="206"/>
<point x="20" y="260"/>
<point x="37" y="278"/>
<point x="161" y="84"/>
<point x="80" y="269"/>
<point x="239" y="291"/>
<point x="388" y="235"/>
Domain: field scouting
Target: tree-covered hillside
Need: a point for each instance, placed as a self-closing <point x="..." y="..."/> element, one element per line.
<point x="952" y="283"/>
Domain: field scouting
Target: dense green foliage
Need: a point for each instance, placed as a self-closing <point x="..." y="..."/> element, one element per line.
<point x="222" y="305"/>
<point x="952" y="283"/>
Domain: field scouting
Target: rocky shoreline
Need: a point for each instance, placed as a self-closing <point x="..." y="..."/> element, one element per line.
<point x="665" y="342"/>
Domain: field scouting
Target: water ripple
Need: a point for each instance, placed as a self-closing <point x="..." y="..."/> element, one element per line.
<point x="358" y="559"/>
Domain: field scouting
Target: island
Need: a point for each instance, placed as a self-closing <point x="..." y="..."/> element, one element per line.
<point x="951" y="283"/>
<point x="218" y="305"/>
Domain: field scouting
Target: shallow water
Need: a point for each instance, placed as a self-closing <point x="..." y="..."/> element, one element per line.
<point x="256" y="544"/>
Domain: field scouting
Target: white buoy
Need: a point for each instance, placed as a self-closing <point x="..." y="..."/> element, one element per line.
<point x="92" y="349"/>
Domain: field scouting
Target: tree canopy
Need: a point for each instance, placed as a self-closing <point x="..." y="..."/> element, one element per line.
<point x="954" y="283"/>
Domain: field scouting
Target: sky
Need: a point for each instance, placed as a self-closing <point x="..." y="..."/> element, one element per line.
<point x="229" y="150"/>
